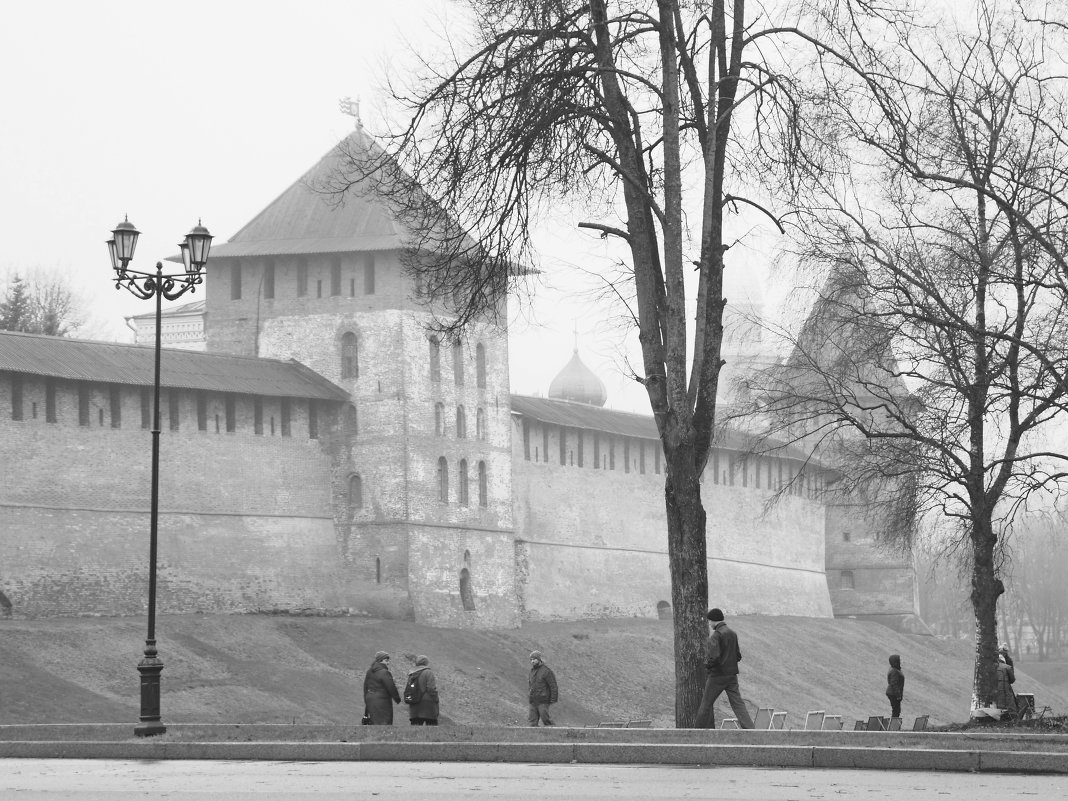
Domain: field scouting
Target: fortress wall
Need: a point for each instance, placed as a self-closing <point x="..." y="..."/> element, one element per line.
<point x="59" y="562"/>
<point x="439" y="557"/>
<point x="865" y="578"/>
<point x="593" y="541"/>
<point x="245" y="520"/>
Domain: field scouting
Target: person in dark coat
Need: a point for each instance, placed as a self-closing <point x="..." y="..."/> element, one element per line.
<point x="722" y="655"/>
<point x="895" y="685"/>
<point x="379" y="691"/>
<point x="425" y="711"/>
<point x="1006" y="697"/>
<point x="543" y="691"/>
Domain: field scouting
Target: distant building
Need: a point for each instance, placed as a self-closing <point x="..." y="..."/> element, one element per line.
<point x="182" y="327"/>
<point x="326" y="454"/>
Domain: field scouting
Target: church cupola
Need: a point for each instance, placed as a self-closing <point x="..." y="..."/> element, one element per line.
<point x="577" y="382"/>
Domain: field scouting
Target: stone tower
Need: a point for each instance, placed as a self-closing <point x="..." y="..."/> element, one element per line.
<point x="422" y="478"/>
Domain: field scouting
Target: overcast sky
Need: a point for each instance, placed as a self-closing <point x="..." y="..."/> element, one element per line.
<point x="208" y="110"/>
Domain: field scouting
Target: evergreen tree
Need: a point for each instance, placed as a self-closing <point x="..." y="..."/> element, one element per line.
<point x="16" y="309"/>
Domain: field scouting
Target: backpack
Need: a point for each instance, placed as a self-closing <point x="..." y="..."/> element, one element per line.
<point x="412" y="693"/>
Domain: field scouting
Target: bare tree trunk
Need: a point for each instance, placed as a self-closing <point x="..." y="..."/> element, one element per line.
<point x="687" y="555"/>
<point x="986" y="589"/>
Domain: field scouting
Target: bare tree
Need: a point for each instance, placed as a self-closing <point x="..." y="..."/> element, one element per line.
<point x="939" y="352"/>
<point x="42" y="303"/>
<point x="641" y="109"/>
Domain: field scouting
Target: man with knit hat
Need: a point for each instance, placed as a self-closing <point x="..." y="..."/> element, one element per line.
<point x="542" y="691"/>
<point x="722" y="656"/>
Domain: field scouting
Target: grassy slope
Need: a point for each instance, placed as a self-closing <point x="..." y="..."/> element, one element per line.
<point x="247" y="668"/>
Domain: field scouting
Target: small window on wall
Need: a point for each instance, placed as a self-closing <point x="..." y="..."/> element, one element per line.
<point x="526" y="439"/>
<point x="116" y="407"/>
<point x="235" y="281"/>
<point x="335" y="276"/>
<point x="146" y="407"/>
<point x="369" y="274"/>
<point x="458" y="363"/>
<point x="83" y="405"/>
<point x="467" y="596"/>
<point x="611" y="453"/>
<point x="579" y="438"/>
<point x="845" y="580"/>
<point x="461" y="423"/>
<point x="17" y="412"/>
<point x="435" y="359"/>
<point x="350" y="357"/>
<point x="480" y="423"/>
<point x="439" y="419"/>
<point x="257" y="416"/>
<point x="355" y="493"/>
<point x="465" y="498"/>
<point x="596" y="450"/>
<point x="231" y="414"/>
<point x="626" y="455"/>
<point x="286" y="415"/>
<point x="268" y="281"/>
<point x="563" y="445"/>
<point x="202" y="412"/>
<point x="845" y="536"/>
<point x="480" y="365"/>
<point x="443" y="480"/>
<point x="545" y="440"/>
<point x="352" y="423"/>
<point x="378" y="570"/>
<point x="50" y="401"/>
<point x="302" y="278"/>
<point x="483" y="489"/>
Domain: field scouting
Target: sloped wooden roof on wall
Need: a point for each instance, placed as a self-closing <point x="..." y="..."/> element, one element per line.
<point x="116" y="363"/>
<point x="303" y="220"/>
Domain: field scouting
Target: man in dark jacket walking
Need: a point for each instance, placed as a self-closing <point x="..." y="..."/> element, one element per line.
<point x="722" y="655"/>
<point x="542" y="691"/>
<point x="423" y="712"/>
<point x="895" y="685"/>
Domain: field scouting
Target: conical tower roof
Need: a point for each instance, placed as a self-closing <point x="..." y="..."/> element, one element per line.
<point x="305" y="219"/>
<point x="577" y="382"/>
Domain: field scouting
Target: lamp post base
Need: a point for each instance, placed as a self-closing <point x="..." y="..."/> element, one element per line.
<point x="150" y="667"/>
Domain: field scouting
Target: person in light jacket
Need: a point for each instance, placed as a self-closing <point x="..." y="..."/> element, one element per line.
<point x="543" y="691"/>
<point x="379" y="691"/>
<point x="424" y="712"/>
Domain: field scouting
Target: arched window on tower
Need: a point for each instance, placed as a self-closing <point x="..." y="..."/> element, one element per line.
<point x="458" y="363"/>
<point x="443" y="480"/>
<point x="461" y="423"/>
<point x="467" y="596"/>
<point x="480" y="423"/>
<point x="480" y="365"/>
<point x="350" y="358"/>
<point x="355" y="494"/>
<point x="439" y="419"/>
<point x="465" y="499"/>
<point x="483" y="489"/>
<point x="435" y="359"/>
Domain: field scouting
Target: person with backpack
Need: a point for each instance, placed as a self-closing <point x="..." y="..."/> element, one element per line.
<point x="379" y="691"/>
<point x="421" y="694"/>
<point x="543" y="691"/>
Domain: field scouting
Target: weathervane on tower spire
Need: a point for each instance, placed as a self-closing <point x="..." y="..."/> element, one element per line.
<point x="351" y="107"/>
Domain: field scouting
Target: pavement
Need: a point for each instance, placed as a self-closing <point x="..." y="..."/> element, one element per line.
<point x="998" y="751"/>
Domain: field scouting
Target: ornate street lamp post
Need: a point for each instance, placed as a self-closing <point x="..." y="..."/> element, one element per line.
<point x="155" y="285"/>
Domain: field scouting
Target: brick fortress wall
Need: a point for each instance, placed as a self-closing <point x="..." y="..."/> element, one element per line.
<point x="245" y="519"/>
<point x="592" y="541"/>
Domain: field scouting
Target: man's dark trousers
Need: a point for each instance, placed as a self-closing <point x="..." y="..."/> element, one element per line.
<point x="713" y="687"/>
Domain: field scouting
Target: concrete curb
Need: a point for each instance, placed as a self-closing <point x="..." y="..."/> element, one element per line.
<point x="793" y="756"/>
